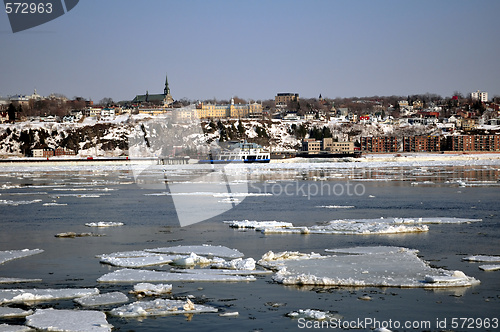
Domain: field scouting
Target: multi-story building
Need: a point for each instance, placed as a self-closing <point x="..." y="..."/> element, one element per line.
<point x="282" y="99"/>
<point x="380" y="144"/>
<point x="310" y="145"/>
<point x="479" y="95"/>
<point x="232" y="110"/>
<point x="337" y="147"/>
<point x="421" y="143"/>
<point x="474" y="143"/>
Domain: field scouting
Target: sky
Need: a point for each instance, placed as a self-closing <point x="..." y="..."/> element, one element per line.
<point x="255" y="49"/>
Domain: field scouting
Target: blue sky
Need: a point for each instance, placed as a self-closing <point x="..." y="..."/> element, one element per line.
<point x="254" y="49"/>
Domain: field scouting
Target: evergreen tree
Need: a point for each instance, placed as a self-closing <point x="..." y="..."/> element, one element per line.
<point x="11" y="112"/>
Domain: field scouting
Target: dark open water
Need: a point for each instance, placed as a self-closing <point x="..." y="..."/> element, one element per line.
<point x="150" y="221"/>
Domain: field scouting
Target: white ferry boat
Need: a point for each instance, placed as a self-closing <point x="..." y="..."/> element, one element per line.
<point x="239" y="152"/>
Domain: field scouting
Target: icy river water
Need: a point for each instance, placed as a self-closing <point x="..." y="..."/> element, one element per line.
<point x="36" y="203"/>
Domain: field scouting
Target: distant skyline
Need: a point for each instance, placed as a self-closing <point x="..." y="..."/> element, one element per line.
<point x="255" y="49"/>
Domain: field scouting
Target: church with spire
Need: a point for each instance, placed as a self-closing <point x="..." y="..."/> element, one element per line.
<point x="163" y="99"/>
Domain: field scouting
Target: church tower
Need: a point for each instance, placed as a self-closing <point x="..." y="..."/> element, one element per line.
<point x="166" y="91"/>
<point x="167" y="100"/>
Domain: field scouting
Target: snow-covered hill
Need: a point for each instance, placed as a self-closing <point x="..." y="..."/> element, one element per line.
<point x="111" y="138"/>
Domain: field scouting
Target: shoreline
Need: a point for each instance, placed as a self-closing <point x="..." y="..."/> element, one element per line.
<point x="367" y="158"/>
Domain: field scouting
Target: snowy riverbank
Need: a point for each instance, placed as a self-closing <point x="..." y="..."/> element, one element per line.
<point x="379" y="159"/>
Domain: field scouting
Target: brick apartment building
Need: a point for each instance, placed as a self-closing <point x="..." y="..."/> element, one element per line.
<point x="474" y="143"/>
<point x="421" y="144"/>
<point x="380" y="144"/>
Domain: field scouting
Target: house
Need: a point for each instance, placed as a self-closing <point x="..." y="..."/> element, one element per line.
<point x="42" y="153"/>
<point x="64" y="152"/>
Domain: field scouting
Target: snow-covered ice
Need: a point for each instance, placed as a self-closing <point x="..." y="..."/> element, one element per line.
<point x="490" y="267"/>
<point x="73" y="235"/>
<point x="160" y="307"/>
<point x="17" y="280"/>
<point x="257" y="225"/>
<point x="194" y="259"/>
<point x="203" y="250"/>
<point x="15" y="328"/>
<point x="29" y="295"/>
<point x="69" y="320"/>
<point x="16" y="203"/>
<point x="102" y="299"/>
<point x="104" y="224"/>
<point x="229" y="314"/>
<point x="482" y="258"/>
<point x="353" y="226"/>
<point x="133" y="276"/>
<point x="8" y="255"/>
<point x="148" y="289"/>
<point x="148" y="259"/>
<point x="236" y="264"/>
<point x="314" y="314"/>
<point x="54" y="204"/>
<point x="221" y="272"/>
<point x="336" y="206"/>
<point x="370" y="266"/>
<point x="142" y="258"/>
<point x="274" y="260"/>
<point x="350" y="227"/>
<point x="6" y="312"/>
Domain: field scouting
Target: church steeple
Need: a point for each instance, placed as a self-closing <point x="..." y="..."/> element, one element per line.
<point x="166" y="91"/>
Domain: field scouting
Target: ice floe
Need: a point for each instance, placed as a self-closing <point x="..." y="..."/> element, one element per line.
<point x="137" y="259"/>
<point x="73" y="234"/>
<point x="8" y="255"/>
<point x="54" y="204"/>
<point x="104" y="224"/>
<point x="274" y="260"/>
<point x="16" y="203"/>
<point x="29" y="295"/>
<point x="369" y="266"/>
<point x="314" y="315"/>
<point x="147" y="289"/>
<point x="204" y="250"/>
<point x="133" y="276"/>
<point x="148" y="259"/>
<point x="14" y="328"/>
<point x="257" y="225"/>
<point x="336" y="206"/>
<point x="69" y="320"/>
<point x="482" y="258"/>
<point x="102" y="299"/>
<point x="17" y="280"/>
<point x="490" y="267"/>
<point x="351" y="226"/>
<point x="221" y="272"/>
<point x="194" y="259"/>
<point x="6" y="312"/>
<point x="160" y="307"/>
<point x="236" y="264"/>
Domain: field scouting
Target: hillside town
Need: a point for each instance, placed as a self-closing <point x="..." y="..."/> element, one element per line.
<point x="37" y="126"/>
